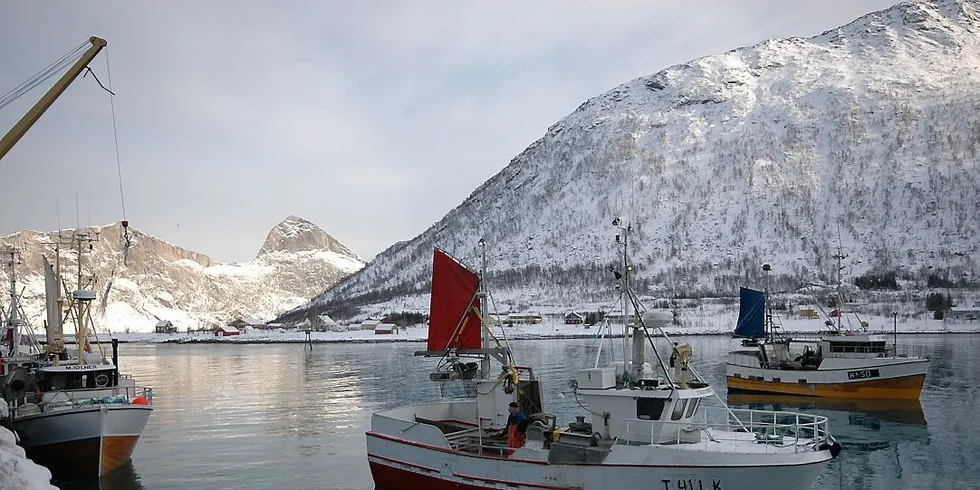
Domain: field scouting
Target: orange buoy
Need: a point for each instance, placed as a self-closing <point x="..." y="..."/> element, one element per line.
<point x="140" y="400"/>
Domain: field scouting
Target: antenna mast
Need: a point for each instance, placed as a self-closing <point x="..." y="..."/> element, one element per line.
<point x="12" y="327"/>
<point x="83" y="241"/>
<point x="484" y="326"/>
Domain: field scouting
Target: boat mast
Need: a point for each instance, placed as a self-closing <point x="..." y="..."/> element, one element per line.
<point x="12" y="330"/>
<point x="638" y="338"/>
<point x="840" y="298"/>
<point x="484" y="327"/>
<point x="770" y="330"/>
<point x="81" y="296"/>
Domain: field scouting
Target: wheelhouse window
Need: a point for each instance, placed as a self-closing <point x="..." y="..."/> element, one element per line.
<point x="692" y="407"/>
<point x="679" y="407"/>
<point x="858" y="347"/>
<point x="75" y="381"/>
<point x="649" y="408"/>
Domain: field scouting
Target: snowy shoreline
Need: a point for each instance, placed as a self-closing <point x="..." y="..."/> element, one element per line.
<point x="711" y="325"/>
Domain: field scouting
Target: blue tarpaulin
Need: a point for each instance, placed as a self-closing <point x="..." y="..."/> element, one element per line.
<point x="751" y="314"/>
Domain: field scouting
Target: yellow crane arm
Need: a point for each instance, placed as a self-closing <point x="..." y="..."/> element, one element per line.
<point x="25" y="123"/>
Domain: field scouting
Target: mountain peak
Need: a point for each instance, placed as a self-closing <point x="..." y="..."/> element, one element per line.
<point x="295" y="234"/>
<point x="863" y="136"/>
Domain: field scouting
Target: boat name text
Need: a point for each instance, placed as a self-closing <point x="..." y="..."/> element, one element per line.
<point x="863" y="374"/>
<point x="80" y="366"/>
<point x="691" y="484"/>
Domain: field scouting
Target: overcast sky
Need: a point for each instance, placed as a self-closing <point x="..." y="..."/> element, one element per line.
<point x="371" y="119"/>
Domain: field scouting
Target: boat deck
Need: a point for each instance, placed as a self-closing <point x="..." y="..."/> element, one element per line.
<point x="468" y="438"/>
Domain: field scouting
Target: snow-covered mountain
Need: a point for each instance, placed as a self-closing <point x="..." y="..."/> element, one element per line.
<point x="867" y="134"/>
<point x="153" y="280"/>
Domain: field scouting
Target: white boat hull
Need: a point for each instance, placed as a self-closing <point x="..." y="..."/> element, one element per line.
<point x="82" y="441"/>
<point x="877" y="378"/>
<point x="398" y="464"/>
<point x="407" y="448"/>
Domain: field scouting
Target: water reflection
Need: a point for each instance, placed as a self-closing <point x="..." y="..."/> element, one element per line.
<point x="124" y="478"/>
<point x="900" y="411"/>
<point x="253" y="417"/>
<point x="880" y="438"/>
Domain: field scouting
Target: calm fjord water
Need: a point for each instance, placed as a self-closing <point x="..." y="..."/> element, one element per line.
<point x="284" y="417"/>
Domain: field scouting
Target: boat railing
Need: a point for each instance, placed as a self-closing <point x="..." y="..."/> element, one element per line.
<point x="906" y="351"/>
<point x="770" y="430"/>
<point x="30" y="403"/>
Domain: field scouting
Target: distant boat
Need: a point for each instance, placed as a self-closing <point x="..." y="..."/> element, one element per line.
<point x="647" y="430"/>
<point x="841" y="364"/>
<point x="18" y="346"/>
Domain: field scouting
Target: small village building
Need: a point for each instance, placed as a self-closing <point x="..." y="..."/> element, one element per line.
<point x="254" y="323"/>
<point x="526" y="318"/>
<point x="964" y="314"/>
<point x="808" y="312"/>
<point x="323" y="323"/>
<point x="386" y="329"/>
<point x="574" y="318"/>
<point x="370" y="324"/>
<point x="226" y="331"/>
<point x="617" y="318"/>
<point x="164" y="326"/>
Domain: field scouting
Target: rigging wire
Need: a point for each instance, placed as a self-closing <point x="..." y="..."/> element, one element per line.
<point x="41" y="76"/>
<point x="115" y="138"/>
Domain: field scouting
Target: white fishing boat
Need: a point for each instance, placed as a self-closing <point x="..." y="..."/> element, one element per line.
<point x="840" y="363"/>
<point x="75" y="414"/>
<point x="650" y="424"/>
<point x="78" y="415"/>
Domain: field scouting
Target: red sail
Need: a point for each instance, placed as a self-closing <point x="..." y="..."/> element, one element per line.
<point x="453" y="319"/>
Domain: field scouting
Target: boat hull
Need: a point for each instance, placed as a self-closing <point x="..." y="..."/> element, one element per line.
<point x="88" y="442"/>
<point x="402" y="465"/>
<point x="901" y="380"/>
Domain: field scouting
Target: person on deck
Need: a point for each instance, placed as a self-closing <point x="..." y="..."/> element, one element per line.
<point x="516" y="424"/>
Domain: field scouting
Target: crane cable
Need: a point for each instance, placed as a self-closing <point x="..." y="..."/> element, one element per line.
<point x="41" y="76"/>
<point x="115" y="137"/>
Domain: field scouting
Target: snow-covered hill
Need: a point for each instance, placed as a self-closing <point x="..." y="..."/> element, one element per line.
<point x="154" y="280"/>
<point x="866" y="134"/>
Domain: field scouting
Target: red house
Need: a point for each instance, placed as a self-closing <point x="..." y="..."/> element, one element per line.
<point x="226" y="331"/>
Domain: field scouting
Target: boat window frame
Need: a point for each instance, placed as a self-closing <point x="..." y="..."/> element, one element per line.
<point x="677" y="411"/>
<point x="646" y="408"/>
<point x="692" y="407"/>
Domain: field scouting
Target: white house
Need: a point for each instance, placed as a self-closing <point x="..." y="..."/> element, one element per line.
<point x="370" y="324"/>
<point x="325" y="323"/>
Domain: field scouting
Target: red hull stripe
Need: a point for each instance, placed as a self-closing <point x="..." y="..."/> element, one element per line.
<point x="449" y="451"/>
<point x="493" y="481"/>
<point x="389" y="478"/>
<point x="413" y="465"/>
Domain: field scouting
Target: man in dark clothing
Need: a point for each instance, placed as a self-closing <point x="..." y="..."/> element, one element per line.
<point x="516" y="425"/>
